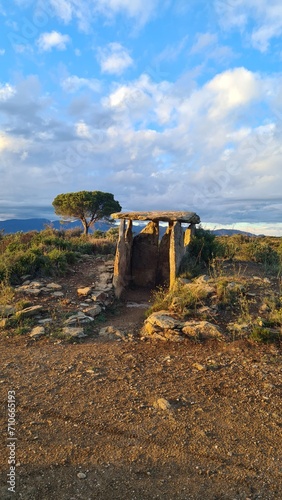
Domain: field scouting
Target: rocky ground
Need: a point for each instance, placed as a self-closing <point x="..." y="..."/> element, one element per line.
<point x="110" y="416"/>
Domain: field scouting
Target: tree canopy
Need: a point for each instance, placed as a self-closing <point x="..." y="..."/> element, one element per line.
<point x="88" y="206"/>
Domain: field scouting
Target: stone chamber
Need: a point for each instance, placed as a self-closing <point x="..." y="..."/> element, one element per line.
<point x="145" y="260"/>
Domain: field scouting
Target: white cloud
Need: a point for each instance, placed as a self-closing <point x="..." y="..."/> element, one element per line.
<point x="155" y="145"/>
<point x="260" y="20"/>
<point x="86" y="10"/>
<point x="114" y="59"/>
<point x="12" y="144"/>
<point x="232" y="89"/>
<point x="54" y="39"/>
<point x="74" y="84"/>
<point x="6" y="91"/>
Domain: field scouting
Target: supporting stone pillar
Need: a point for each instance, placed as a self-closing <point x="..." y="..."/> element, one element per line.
<point x="163" y="263"/>
<point x="190" y="231"/>
<point x="145" y="251"/>
<point x="122" y="267"/>
<point x="176" y="251"/>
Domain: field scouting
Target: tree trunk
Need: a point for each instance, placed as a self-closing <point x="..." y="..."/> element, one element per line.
<point x="86" y="227"/>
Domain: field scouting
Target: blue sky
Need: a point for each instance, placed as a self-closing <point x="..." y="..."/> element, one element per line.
<point x="169" y="105"/>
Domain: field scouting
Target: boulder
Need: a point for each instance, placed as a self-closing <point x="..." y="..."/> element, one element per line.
<point x="74" y="332"/>
<point x="93" y="311"/>
<point x="161" y="325"/>
<point x="201" y="330"/>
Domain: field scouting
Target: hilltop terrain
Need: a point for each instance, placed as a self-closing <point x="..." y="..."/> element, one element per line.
<point x="114" y="416"/>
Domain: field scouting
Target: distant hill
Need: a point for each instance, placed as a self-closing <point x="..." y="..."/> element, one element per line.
<point x="25" y="225"/>
<point x="231" y="232"/>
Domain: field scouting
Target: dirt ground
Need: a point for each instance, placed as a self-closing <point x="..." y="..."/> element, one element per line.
<point x="115" y="420"/>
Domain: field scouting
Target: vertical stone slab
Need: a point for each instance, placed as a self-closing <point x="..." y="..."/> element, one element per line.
<point x="163" y="264"/>
<point x="176" y="251"/>
<point x="122" y="266"/>
<point x="145" y="250"/>
<point x="190" y="231"/>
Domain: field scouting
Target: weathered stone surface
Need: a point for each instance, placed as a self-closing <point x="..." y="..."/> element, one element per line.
<point x="30" y="291"/>
<point x="73" y="332"/>
<point x="176" y="251"/>
<point x="29" y="311"/>
<point x="143" y="261"/>
<point x="36" y="284"/>
<point x="7" y="311"/>
<point x="161" y="325"/>
<point x="37" y="331"/>
<point x="163" y="262"/>
<point x="58" y="294"/>
<point x="78" y="319"/>
<point x="93" y="311"/>
<point x="122" y="265"/>
<point x="54" y="286"/>
<point x="145" y="250"/>
<point x="201" y="330"/>
<point x="106" y="277"/>
<point x="188" y="217"/>
<point x="99" y="296"/>
<point x="83" y="292"/>
<point x="162" y="404"/>
<point x="163" y="320"/>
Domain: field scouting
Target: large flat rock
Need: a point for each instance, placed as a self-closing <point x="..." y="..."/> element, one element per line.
<point x="188" y="217"/>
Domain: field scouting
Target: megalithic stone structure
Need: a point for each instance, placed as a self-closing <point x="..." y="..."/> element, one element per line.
<point x="145" y="261"/>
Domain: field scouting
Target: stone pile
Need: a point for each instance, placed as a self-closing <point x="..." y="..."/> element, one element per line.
<point x="91" y="301"/>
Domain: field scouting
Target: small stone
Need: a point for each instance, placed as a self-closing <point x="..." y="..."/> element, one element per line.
<point x="37" y="331"/>
<point x="36" y="284"/>
<point x="79" y="318"/>
<point x="84" y="291"/>
<point x="93" y="311"/>
<point x="81" y="475"/>
<point x="29" y="311"/>
<point x="57" y="294"/>
<point x="32" y="291"/>
<point x="54" y="286"/>
<point x="198" y="366"/>
<point x="162" y="404"/>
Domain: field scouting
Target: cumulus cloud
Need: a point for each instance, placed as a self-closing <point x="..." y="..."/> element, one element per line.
<point x="52" y="40"/>
<point x="114" y="59"/>
<point x="154" y="146"/>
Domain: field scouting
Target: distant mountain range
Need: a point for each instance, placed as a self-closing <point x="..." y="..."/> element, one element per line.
<point x="25" y="225"/>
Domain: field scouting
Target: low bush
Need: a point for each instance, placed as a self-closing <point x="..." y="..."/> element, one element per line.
<point x="48" y="252"/>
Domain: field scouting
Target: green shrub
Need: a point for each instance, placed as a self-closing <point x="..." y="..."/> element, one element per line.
<point x="202" y="249"/>
<point x="265" y="335"/>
